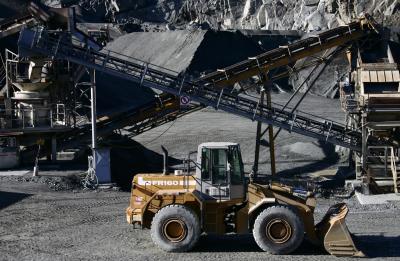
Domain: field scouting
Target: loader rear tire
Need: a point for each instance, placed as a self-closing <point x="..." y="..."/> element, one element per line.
<point x="278" y="230"/>
<point x="175" y="228"/>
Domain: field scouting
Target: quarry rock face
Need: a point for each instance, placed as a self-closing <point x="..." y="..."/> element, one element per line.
<point x="305" y="15"/>
<point x="192" y="15"/>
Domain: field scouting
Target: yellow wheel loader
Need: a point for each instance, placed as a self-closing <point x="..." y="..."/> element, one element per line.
<point x="217" y="198"/>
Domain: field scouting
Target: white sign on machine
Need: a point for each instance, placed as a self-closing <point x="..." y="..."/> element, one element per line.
<point x="184" y="100"/>
<point x="144" y="182"/>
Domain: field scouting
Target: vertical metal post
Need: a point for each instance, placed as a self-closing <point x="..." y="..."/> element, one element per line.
<point x="364" y="152"/>
<point x="267" y="86"/>
<point x="93" y="114"/>
<point x="51" y="118"/>
<point x="365" y="175"/>
<point x="23" y="118"/>
<point x="32" y="116"/>
<point x="53" y="148"/>
<point x="258" y="137"/>
<point x="7" y="84"/>
<point x="386" y="160"/>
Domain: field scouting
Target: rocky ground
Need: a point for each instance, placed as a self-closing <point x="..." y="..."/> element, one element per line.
<point x="38" y="223"/>
<point x="52" y="218"/>
<point x="161" y="15"/>
<point x="305" y="15"/>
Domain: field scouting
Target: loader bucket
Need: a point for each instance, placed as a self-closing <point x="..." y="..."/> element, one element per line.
<point x="333" y="231"/>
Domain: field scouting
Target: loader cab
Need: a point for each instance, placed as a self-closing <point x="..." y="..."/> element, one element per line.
<point x="220" y="172"/>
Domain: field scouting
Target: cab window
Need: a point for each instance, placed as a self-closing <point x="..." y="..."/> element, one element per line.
<point x="219" y="171"/>
<point x="236" y="163"/>
<point x="214" y="166"/>
<point x="205" y="164"/>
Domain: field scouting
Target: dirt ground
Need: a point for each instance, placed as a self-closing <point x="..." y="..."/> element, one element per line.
<point x="40" y="224"/>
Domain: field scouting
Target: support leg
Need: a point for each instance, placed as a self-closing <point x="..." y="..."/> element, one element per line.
<point x="258" y="138"/>
<point x="366" y="180"/>
<point x="364" y="144"/>
<point x="53" y="149"/>
<point x="267" y="86"/>
<point x="93" y="114"/>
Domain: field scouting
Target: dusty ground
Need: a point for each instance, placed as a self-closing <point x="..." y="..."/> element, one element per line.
<point x="40" y="224"/>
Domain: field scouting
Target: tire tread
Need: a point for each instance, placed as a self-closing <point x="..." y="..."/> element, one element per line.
<point x="299" y="234"/>
<point x="177" y="247"/>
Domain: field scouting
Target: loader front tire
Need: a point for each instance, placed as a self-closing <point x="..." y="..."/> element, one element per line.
<point x="175" y="228"/>
<point x="278" y="230"/>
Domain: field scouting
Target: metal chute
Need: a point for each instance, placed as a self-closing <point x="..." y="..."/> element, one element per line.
<point x="333" y="231"/>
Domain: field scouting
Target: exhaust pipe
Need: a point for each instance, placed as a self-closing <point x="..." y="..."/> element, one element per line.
<point x="165" y="160"/>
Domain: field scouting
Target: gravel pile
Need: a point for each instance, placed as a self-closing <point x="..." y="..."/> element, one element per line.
<point x="65" y="183"/>
<point x="193" y="51"/>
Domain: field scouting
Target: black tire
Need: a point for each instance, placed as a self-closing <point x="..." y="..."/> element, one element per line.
<point x="278" y="230"/>
<point x="175" y="228"/>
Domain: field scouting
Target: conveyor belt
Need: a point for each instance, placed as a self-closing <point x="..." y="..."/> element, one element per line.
<point x="285" y="55"/>
<point x="152" y="76"/>
<point x="13" y="25"/>
<point x="133" y="121"/>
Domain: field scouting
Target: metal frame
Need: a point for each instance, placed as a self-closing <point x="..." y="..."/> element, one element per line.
<point x="169" y="81"/>
<point x="286" y="54"/>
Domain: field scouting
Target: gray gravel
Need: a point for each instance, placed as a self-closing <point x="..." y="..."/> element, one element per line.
<point x="184" y="134"/>
<point x="39" y="224"/>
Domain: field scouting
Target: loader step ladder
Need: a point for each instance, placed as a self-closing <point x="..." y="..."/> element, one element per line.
<point x="152" y="76"/>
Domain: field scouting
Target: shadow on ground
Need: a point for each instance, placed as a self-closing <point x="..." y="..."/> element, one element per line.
<point x="375" y="246"/>
<point x="246" y="243"/>
<point x="331" y="158"/>
<point x="129" y="158"/>
<point x="9" y="198"/>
